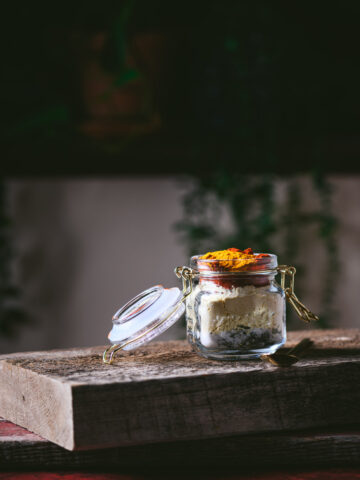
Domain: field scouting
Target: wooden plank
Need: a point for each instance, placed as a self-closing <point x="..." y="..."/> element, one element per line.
<point x="164" y="392"/>
<point x="22" y="449"/>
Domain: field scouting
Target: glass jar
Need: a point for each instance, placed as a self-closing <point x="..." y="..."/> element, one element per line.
<point x="234" y="308"/>
<point x="235" y="314"/>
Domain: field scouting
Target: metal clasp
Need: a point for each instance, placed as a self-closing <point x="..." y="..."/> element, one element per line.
<point x="303" y="312"/>
<point x="111" y="352"/>
<point x="186" y="274"/>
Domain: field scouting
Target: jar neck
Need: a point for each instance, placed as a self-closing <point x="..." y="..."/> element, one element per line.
<point x="237" y="279"/>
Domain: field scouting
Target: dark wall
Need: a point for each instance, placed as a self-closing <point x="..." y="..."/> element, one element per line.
<point x="97" y="87"/>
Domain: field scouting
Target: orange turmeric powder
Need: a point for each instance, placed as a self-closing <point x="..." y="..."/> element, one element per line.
<point x="231" y="259"/>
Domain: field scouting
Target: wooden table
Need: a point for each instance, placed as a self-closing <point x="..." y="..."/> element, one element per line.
<point x="316" y="452"/>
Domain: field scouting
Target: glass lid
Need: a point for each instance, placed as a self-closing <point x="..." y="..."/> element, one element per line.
<point x="146" y="316"/>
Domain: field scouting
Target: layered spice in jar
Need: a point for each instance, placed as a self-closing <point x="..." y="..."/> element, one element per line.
<point x="236" y="309"/>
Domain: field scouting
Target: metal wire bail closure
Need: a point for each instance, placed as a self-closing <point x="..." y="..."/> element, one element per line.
<point x="186" y="274"/>
<point x="111" y="352"/>
<point x="304" y="313"/>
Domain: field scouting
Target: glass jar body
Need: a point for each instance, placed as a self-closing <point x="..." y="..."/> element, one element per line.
<point x="235" y="316"/>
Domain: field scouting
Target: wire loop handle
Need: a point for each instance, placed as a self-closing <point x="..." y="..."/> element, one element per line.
<point x="304" y="313"/>
<point x="111" y="351"/>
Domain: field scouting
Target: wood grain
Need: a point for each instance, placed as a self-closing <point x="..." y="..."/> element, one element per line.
<point x="164" y="392"/>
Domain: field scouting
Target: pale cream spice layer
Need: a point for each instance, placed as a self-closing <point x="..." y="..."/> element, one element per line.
<point x="230" y="309"/>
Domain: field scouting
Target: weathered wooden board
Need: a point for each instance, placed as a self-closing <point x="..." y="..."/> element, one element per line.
<point x="20" y="448"/>
<point x="164" y="392"/>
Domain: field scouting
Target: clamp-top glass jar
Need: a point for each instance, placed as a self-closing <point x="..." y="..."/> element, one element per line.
<point x="233" y="306"/>
<point x="236" y="309"/>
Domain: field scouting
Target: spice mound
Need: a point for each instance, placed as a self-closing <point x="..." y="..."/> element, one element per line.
<point x="232" y="259"/>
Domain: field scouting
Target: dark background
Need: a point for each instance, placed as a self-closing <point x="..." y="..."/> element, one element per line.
<point x="135" y="133"/>
<point x="116" y="87"/>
